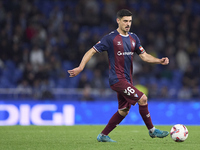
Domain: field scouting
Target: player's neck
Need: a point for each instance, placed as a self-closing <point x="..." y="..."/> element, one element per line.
<point x="122" y="32"/>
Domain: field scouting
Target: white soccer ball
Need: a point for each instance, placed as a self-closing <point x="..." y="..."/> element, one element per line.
<point x="179" y="133"/>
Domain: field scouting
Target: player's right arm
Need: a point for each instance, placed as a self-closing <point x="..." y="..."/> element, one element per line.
<point x="74" y="72"/>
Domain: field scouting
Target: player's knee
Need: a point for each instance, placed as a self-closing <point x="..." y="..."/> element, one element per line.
<point x="143" y="100"/>
<point x="123" y="112"/>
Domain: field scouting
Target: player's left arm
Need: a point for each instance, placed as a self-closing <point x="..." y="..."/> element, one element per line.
<point x="151" y="59"/>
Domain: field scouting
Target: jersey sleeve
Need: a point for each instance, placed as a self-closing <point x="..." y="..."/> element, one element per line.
<point x="138" y="48"/>
<point x="102" y="45"/>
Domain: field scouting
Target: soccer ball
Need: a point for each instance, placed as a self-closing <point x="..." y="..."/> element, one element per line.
<point x="179" y="133"/>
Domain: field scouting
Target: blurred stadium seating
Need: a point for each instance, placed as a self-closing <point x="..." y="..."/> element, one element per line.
<point x="64" y="30"/>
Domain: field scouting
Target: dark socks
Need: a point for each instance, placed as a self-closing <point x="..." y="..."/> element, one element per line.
<point x="113" y="122"/>
<point x="144" y="112"/>
<point x="117" y="118"/>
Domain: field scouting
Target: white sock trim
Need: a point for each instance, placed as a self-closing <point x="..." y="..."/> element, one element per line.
<point x="152" y="129"/>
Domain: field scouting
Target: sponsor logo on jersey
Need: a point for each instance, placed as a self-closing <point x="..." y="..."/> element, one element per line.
<point x="119" y="43"/>
<point x="133" y="43"/>
<point x="119" y="53"/>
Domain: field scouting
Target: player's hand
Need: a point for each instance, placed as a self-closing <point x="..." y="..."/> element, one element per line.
<point x="164" y="61"/>
<point x="74" y="72"/>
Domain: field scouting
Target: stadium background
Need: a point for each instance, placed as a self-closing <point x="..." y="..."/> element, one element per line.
<point x="41" y="40"/>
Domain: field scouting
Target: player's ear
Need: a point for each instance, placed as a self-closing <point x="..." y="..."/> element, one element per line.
<point x="118" y="20"/>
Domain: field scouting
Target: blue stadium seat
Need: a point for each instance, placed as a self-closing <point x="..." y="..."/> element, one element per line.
<point x="96" y="30"/>
<point x="89" y="74"/>
<point x="10" y="64"/>
<point x="177" y="75"/>
<point x="106" y="82"/>
<point x="17" y="75"/>
<point x="6" y="83"/>
<point x="66" y="65"/>
<point x="61" y="83"/>
<point x="143" y="80"/>
<point x="52" y="82"/>
<point x="7" y="73"/>
<point x="73" y="82"/>
<point x="164" y="82"/>
<point x="1" y="70"/>
<point x="152" y="80"/>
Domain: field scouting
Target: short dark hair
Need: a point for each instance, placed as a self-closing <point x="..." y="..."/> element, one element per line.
<point x="123" y="12"/>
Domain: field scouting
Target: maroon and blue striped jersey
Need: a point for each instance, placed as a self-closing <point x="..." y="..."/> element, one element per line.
<point x="120" y="51"/>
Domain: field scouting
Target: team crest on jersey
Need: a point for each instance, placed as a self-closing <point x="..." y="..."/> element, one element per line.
<point x="141" y="49"/>
<point x="135" y="95"/>
<point x="133" y="43"/>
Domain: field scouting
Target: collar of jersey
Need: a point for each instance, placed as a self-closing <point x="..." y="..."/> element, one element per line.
<point x="124" y="35"/>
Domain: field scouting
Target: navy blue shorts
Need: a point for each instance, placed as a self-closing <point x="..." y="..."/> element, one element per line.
<point x="127" y="94"/>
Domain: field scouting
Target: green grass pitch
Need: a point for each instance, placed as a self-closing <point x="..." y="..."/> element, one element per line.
<point x="84" y="138"/>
